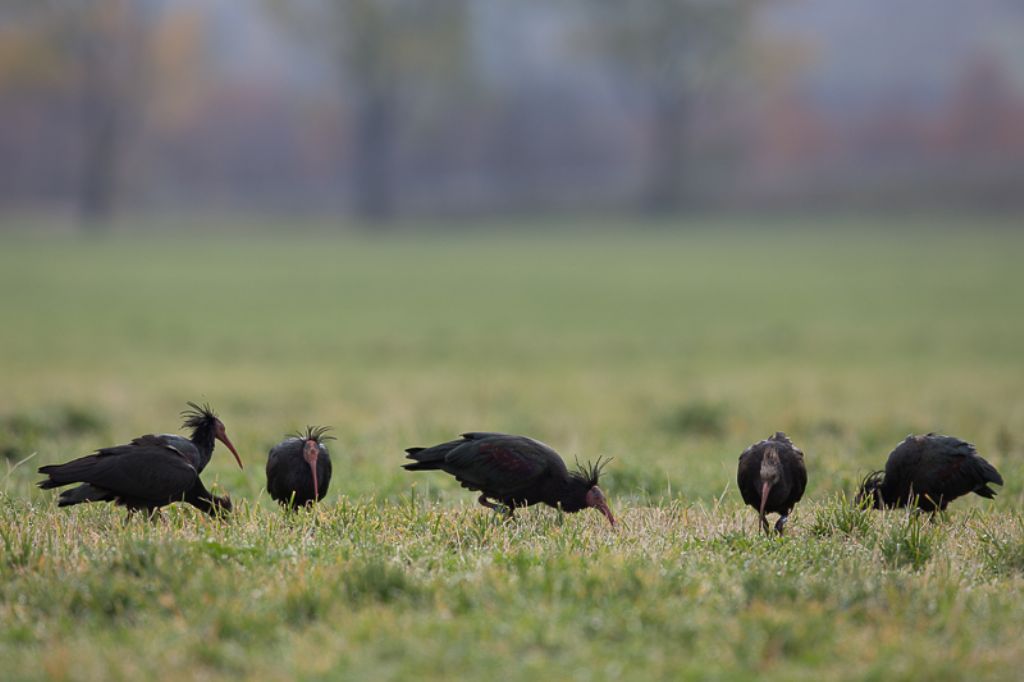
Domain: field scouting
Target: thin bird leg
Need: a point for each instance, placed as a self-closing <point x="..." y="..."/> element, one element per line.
<point x="764" y="525"/>
<point x="938" y="511"/>
<point x="498" y="508"/>
<point x="780" y="525"/>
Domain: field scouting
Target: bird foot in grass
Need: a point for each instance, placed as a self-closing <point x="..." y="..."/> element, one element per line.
<point x="498" y="508"/>
<point x="917" y="514"/>
<point x="780" y="525"/>
<point x="487" y="503"/>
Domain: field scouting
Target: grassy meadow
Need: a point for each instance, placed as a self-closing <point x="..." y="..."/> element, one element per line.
<point x="670" y="347"/>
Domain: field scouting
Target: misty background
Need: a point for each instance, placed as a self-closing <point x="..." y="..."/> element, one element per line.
<point x="384" y="109"/>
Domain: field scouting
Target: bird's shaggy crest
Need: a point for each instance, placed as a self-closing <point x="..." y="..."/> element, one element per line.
<point x="313" y="433"/>
<point x="197" y="415"/>
<point x="869" y="488"/>
<point x="591" y="471"/>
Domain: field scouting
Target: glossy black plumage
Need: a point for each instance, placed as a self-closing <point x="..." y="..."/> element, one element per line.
<point x="515" y="471"/>
<point x="929" y="471"/>
<point x="290" y="475"/>
<point x="150" y="472"/>
<point x="782" y="473"/>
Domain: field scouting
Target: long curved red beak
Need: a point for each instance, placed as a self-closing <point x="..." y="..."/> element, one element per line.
<point x="765" y="489"/>
<point x="595" y="498"/>
<point x="223" y="438"/>
<point x="311" y="454"/>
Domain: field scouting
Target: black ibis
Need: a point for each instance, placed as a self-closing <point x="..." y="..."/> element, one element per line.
<point x="772" y="478"/>
<point x="929" y="471"/>
<point x="150" y="472"/>
<point x="299" y="468"/>
<point x="516" y="471"/>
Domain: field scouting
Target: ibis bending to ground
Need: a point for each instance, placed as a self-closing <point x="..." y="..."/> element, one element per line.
<point x="929" y="471"/>
<point x="299" y="468"/>
<point x="515" y="471"/>
<point x="772" y="478"/>
<point x="150" y="472"/>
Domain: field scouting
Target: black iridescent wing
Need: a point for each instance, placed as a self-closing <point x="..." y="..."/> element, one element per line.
<point x="939" y="468"/>
<point x="794" y="467"/>
<point x="149" y="468"/>
<point x="500" y="465"/>
<point x="748" y="473"/>
<point x="284" y="469"/>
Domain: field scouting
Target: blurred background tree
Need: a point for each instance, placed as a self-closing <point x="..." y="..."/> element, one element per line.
<point x="670" y="53"/>
<point x="109" y="42"/>
<point x="388" y="53"/>
<point x="89" y="59"/>
<point x="402" y="108"/>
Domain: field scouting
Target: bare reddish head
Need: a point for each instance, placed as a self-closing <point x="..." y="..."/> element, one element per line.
<point x="588" y="475"/>
<point x="596" y="499"/>
<point x="310" y="453"/>
<point x="202" y="420"/>
<point x="222" y="435"/>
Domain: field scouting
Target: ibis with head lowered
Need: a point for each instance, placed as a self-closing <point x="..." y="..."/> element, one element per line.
<point x="514" y="472"/>
<point x="772" y="478"/>
<point x="929" y="472"/>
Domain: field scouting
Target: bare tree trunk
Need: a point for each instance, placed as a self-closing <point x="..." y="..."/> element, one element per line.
<point x="666" y="190"/>
<point x="373" y="172"/>
<point x="110" y="46"/>
<point x="100" y="130"/>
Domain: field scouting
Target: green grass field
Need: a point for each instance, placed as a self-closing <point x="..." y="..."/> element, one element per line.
<point x="668" y="347"/>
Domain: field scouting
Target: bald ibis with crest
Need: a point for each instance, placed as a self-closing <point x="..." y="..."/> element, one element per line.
<point x="150" y="472"/>
<point x="299" y="468"/>
<point x="772" y="478"/>
<point x="929" y="472"/>
<point x="514" y="471"/>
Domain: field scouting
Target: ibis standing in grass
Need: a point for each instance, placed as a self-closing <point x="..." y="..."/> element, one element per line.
<point x="299" y="468"/>
<point x="514" y="471"/>
<point x="150" y="472"/>
<point x="772" y="478"/>
<point x="929" y="472"/>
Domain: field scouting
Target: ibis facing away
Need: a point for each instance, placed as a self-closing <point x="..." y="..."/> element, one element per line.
<point x="929" y="472"/>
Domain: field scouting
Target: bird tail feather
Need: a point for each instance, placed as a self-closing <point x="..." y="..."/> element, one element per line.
<point x="48" y="483"/>
<point x="429" y="458"/>
<point x="985" y="491"/>
<point x="989" y="473"/>
<point x="84" y="493"/>
<point x="421" y="466"/>
<point x="74" y="471"/>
